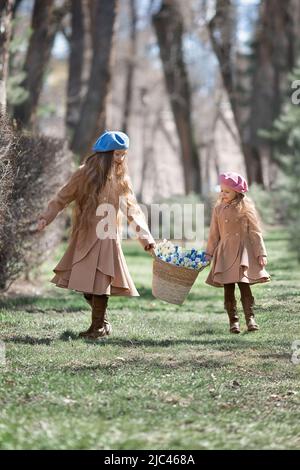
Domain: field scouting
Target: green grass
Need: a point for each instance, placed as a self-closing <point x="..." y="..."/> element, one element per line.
<point x="168" y="378"/>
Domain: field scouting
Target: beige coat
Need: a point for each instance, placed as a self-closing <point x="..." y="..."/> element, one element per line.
<point x="91" y="264"/>
<point x="235" y="245"/>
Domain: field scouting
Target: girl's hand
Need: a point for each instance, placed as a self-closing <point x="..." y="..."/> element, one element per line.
<point x="41" y="224"/>
<point x="150" y="247"/>
<point x="262" y="261"/>
<point x="208" y="257"/>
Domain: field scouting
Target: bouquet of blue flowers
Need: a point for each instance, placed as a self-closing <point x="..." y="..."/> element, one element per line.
<point x="175" y="270"/>
<point x="174" y="254"/>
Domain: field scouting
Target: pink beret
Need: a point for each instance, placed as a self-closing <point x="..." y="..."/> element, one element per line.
<point x="234" y="181"/>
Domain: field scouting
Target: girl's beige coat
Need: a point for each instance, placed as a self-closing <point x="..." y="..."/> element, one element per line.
<point x="235" y="245"/>
<point x="92" y="264"/>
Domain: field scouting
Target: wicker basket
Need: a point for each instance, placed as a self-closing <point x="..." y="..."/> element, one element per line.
<point x="172" y="283"/>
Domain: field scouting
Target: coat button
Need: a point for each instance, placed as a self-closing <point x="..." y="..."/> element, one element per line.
<point x="226" y="220"/>
<point x="237" y="234"/>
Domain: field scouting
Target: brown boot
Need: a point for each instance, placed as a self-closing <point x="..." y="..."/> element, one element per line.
<point x="82" y="334"/>
<point x="107" y="325"/>
<point x="230" y="307"/>
<point x="99" y="304"/>
<point x="248" y="303"/>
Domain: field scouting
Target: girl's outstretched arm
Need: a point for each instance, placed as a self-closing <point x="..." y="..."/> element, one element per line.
<point x="214" y="235"/>
<point x="136" y="218"/>
<point x="64" y="196"/>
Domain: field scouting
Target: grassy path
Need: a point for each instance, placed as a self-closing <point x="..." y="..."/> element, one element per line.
<point x="169" y="378"/>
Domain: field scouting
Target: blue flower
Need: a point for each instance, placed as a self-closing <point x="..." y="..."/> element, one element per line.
<point x="176" y="255"/>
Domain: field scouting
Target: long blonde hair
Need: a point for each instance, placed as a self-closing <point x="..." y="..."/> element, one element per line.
<point x="92" y="177"/>
<point x="245" y="208"/>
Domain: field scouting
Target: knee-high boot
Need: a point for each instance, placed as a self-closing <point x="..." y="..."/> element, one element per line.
<point x="231" y="309"/>
<point x="100" y="325"/>
<point x="247" y="300"/>
<point x="88" y="298"/>
<point x="248" y="303"/>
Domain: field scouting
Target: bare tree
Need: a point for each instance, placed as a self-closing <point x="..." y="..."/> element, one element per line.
<point x="93" y="111"/>
<point x="46" y="19"/>
<point x="76" y="62"/>
<point x="276" y="45"/>
<point x="16" y="5"/>
<point x="276" y="51"/>
<point x="130" y="64"/>
<point x="168" y="24"/>
<point x="222" y="33"/>
<point x="6" y="10"/>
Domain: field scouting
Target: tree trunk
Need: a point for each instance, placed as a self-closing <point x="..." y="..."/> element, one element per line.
<point x="45" y="23"/>
<point x="168" y="25"/>
<point x="276" y="51"/>
<point x="130" y="65"/>
<point x="6" y="9"/>
<point x="276" y="45"/>
<point x="93" y="112"/>
<point x="222" y="34"/>
<point x="76" y="62"/>
<point x="16" y="5"/>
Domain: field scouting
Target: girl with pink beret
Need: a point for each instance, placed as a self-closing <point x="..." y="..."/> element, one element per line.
<point x="236" y="247"/>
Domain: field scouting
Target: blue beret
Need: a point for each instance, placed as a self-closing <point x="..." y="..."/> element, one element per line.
<point x="111" y="140"/>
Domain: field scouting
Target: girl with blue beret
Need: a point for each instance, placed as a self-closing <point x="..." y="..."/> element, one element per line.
<point x="94" y="262"/>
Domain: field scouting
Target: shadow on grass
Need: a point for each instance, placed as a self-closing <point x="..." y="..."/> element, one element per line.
<point x="152" y="363"/>
<point x="146" y="294"/>
<point x="241" y="343"/>
<point x="29" y="340"/>
<point x="286" y="356"/>
<point x="73" y="302"/>
<point x="236" y="343"/>
<point x="129" y="343"/>
<point x="288" y="294"/>
<point x="37" y="304"/>
<point x="69" y="335"/>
